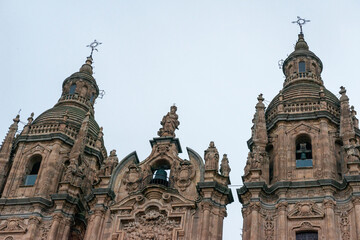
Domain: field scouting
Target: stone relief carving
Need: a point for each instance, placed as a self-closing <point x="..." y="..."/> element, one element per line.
<point x="224" y="166"/>
<point x="211" y="157"/>
<point x="152" y="224"/>
<point x="184" y="174"/>
<point x="269" y="228"/>
<point x="306" y="209"/>
<point x="169" y="123"/>
<point x="345" y="225"/>
<point x="73" y="174"/>
<point x="13" y="225"/>
<point x="132" y="178"/>
<point x="352" y="151"/>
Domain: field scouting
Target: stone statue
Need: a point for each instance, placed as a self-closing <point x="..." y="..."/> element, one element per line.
<point x="224" y="167"/>
<point x="211" y="157"/>
<point x="132" y="178"/>
<point x="109" y="164"/>
<point x="170" y="123"/>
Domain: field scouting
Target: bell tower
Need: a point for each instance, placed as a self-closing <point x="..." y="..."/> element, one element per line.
<point x="301" y="178"/>
<point x="52" y="165"/>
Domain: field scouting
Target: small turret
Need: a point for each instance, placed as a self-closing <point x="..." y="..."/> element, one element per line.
<point x="5" y="151"/>
<point x="346" y="124"/>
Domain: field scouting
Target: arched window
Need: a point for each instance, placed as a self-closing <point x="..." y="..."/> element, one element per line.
<point x="308" y="235"/>
<point x="92" y="98"/>
<point x="303" y="152"/>
<point x="72" y="89"/>
<point x="301" y="67"/>
<point x="33" y="170"/>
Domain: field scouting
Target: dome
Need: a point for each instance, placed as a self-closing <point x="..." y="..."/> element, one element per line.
<point x="75" y="118"/>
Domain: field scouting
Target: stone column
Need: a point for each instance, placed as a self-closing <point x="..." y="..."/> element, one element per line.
<point x="221" y="216"/>
<point x="282" y="220"/>
<point x="329" y="206"/>
<point x="93" y="228"/>
<point x="33" y="225"/>
<point x="206" y="208"/>
<point x="356" y="203"/>
<point x="254" y="232"/>
<point x="66" y="231"/>
<point x="55" y="226"/>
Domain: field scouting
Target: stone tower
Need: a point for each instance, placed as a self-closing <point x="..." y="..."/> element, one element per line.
<point x="302" y="177"/>
<point x="57" y="181"/>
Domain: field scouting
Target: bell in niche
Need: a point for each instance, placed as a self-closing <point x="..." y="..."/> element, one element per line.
<point x="160" y="175"/>
<point x="303" y="151"/>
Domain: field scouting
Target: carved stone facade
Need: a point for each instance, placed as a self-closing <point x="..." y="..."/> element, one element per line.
<point x="57" y="181"/>
<point x="302" y="174"/>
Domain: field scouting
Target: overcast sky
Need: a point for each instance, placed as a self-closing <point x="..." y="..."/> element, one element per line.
<point x="211" y="58"/>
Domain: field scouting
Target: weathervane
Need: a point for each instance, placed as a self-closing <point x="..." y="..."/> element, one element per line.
<point x="301" y="22"/>
<point x="93" y="46"/>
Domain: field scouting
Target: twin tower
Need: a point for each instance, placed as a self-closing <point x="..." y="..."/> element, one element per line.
<point x="301" y="179"/>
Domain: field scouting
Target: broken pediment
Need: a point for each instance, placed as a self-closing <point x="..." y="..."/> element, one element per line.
<point x="303" y="128"/>
<point x="306" y="209"/>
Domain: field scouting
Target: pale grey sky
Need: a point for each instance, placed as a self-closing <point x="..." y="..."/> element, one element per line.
<point x="211" y="58"/>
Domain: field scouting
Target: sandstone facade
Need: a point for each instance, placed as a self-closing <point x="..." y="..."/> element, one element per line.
<point x="302" y="176"/>
<point x="58" y="182"/>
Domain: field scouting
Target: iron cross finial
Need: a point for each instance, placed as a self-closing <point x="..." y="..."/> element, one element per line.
<point x="93" y="46"/>
<point x="300" y="21"/>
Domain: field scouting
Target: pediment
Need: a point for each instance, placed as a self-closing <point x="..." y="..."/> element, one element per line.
<point x="303" y="128"/>
<point x="306" y="209"/>
<point x="36" y="149"/>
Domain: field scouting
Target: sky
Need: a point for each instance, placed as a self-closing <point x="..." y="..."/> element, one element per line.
<point x="211" y="58"/>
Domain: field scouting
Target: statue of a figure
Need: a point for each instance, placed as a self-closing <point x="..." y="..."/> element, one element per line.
<point x="109" y="164"/>
<point x="211" y="157"/>
<point x="224" y="167"/>
<point x="248" y="163"/>
<point x="170" y="123"/>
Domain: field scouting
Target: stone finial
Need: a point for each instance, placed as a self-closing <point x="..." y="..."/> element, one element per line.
<point x="30" y="119"/>
<point x="346" y="121"/>
<point x="169" y="123"/>
<point x="224" y="167"/>
<point x="80" y="141"/>
<point x="99" y="137"/>
<point x="259" y="128"/>
<point x="211" y="157"/>
<point x="354" y="118"/>
<point x="343" y="97"/>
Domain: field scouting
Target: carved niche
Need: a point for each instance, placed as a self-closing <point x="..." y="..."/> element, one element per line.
<point x="184" y="174"/>
<point x="306" y="209"/>
<point x="132" y="178"/>
<point x="151" y="224"/>
<point x="13" y="225"/>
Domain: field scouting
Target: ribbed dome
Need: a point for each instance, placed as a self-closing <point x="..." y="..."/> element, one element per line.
<point x="76" y="116"/>
<point x="303" y="92"/>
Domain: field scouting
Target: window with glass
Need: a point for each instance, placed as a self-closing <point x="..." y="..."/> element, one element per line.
<point x="303" y="152"/>
<point x="33" y="171"/>
<point x="301" y="66"/>
<point x="311" y="235"/>
<point x="72" y="89"/>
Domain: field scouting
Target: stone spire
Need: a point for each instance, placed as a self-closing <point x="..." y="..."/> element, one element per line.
<point x="79" y="144"/>
<point x="5" y="151"/>
<point x="347" y="131"/>
<point x="260" y="137"/>
<point x="169" y="123"/>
